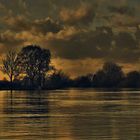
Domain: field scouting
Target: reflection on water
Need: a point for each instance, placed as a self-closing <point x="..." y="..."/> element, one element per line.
<point x="70" y="115"/>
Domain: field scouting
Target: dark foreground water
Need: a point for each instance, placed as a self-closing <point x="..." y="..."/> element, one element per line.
<point x="70" y="115"/>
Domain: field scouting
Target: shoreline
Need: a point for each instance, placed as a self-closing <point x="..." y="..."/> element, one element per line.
<point x="75" y="88"/>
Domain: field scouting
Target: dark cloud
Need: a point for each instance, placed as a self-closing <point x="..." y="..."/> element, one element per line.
<point x="46" y="25"/>
<point x="9" y="41"/>
<point x="17" y="23"/>
<point x="126" y="40"/>
<point x="15" y="7"/>
<point x="102" y="43"/>
<point x="126" y="48"/>
<point x="22" y="23"/>
<point x="75" y="30"/>
<point x="77" y="46"/>
<point x="124" y="10"/>
<point x="137" y="34"/>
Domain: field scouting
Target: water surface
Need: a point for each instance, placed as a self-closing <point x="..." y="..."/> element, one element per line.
<point x="74" y="114"/>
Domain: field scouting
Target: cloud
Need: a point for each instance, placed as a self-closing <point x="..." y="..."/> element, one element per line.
<point x="17" y="23"/>
<point x="22" y="23"/>
<point x="126" y="48"/>
<point x="4" y="11"/>
<point x="2" y="8"/>
<point x="84" y="14"/>
<point x="10" y="39"/>
<point x="46" y="25"/>
<point x="124" y="10"/>
<point x="72" y="43"/>
<point x="77" y="32"/>
<point x="23" y="4"/>
<point x="23" y="8"/>
<point x="124" y="39"/>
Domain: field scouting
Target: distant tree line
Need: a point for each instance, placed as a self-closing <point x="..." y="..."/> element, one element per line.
<point x="110" y="76"/>
<point x="31" y="69"/>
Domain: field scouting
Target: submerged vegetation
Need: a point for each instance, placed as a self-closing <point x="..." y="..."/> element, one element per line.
<point x="31" y="69"/>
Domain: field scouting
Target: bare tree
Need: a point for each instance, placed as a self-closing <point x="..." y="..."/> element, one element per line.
<point x="10" y="67"/>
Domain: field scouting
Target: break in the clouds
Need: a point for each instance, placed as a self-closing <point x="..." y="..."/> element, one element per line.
<point x="76" y="31"/>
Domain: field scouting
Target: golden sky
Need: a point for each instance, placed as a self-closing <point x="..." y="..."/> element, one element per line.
<point x="81" y="34"/>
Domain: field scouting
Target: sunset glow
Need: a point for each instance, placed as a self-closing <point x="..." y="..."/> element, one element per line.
<point x="81" y="35"/>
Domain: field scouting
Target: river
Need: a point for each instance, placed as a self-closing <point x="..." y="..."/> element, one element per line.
<point x="72" y="114"/>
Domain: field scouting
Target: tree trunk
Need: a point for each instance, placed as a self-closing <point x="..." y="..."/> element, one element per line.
<point x="11" y="82"/>
<point x="32" y="82"/>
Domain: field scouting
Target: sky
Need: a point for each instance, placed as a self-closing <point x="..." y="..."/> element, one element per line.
<point x="81" y="34"/>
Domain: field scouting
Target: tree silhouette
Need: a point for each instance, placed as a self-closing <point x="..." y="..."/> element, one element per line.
<point x="10" y="66"/>
<point x="58" y="80"/>
<point x="34" y="62"/>
<point x="98" y="79"/>
<point x="132" y="79"/>
<point x="110" y="75"/>
<point x="83" y="81"/>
